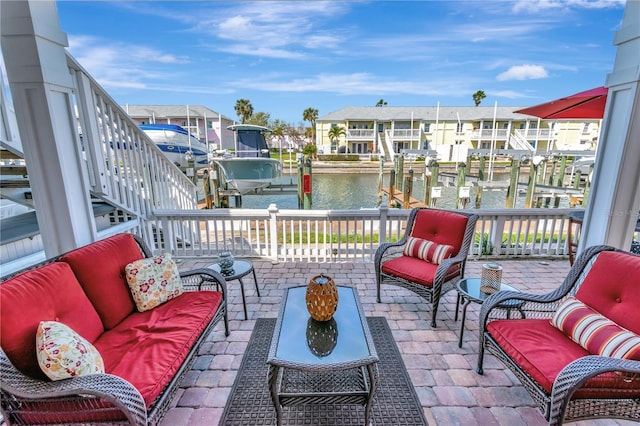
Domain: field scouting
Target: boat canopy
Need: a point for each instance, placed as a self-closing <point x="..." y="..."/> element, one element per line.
<point x="250" y="140"/>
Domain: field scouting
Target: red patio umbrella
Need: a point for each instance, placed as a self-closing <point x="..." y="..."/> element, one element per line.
<point x="589" y="105"/>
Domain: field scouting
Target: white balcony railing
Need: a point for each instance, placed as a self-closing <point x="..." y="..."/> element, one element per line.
<point x="501" y="134"/>
<point x="405" y="133"/>
<point x="360" y="133"/>
<point x="326" y="235"/>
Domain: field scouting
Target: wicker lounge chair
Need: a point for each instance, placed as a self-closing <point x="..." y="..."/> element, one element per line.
<point x="571" y="381"/>
<point x="428" y="279"/>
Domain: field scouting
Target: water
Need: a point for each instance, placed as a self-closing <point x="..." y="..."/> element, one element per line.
<point x="358" y="191"/>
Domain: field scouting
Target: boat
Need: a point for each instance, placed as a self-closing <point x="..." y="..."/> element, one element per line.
<point x="249" y="167"/>
<point x="176" y="144"/>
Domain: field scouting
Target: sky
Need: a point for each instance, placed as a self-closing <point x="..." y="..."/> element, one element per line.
<point x="287" y="56"/>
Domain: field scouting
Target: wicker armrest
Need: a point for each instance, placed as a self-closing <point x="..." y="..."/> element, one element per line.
<point x="81" y="390"/>
<point x="574" y="375"/>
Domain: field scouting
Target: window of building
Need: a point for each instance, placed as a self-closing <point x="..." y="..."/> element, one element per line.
<point x="427" y="127"/>
<point x="585" y="128"/>
<point x="459" y="127"/>
<point x="209" y="124"/>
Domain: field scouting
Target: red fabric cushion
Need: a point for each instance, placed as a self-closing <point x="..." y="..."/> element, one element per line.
<point x="100" y="269"/>
<point x="427" y="250"/>
<point x="441" y="227"/>
<point x="415" y="270"/>
<point x="594" y="332"/>
<point x="543" y="351"/>
<point x="611" y="288"/>
<point x="48" y="293"/>
<point x="147" y="348"/>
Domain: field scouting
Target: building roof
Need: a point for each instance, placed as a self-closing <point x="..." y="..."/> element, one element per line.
<point x="171" y="111"/>
<point x="430" y="113"/>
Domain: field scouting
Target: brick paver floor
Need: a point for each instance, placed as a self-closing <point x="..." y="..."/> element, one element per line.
<point x="444" y="376"/>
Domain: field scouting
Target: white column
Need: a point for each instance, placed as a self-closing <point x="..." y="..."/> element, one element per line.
<point x="612" y="209"/>
<point x="41" y="85"/>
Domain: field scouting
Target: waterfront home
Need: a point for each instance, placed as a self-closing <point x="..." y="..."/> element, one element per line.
<point x="207" y="125"/>
<point x="67" y="171"/>
<point x="451" y="131"/>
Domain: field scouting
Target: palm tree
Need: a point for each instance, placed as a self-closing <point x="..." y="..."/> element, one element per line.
<point x="311" y="115"/>
<point x="478" y="97"/>
<point x="278" y="129"/>
<point x="381" y="103"/>
<point x="334" y="134"/>
<point x="244" y="109"/>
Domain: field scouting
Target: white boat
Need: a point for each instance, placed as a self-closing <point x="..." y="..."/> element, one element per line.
<point x="177" y="144"/>
<point x="251" y="168"/>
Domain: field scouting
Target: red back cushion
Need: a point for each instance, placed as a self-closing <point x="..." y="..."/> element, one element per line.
<point x="48" y="293"/>
<point x="612" y="288"/>
<point x="441" y="227"/>
<point x="100" y="269"/>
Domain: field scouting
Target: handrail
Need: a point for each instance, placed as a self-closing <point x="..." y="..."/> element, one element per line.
<point x="125" y="166"/>
<point x="327" y="235"/>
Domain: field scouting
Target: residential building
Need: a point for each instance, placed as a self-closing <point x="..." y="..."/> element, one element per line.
<point x="207" y="125"/>
<point x="450" y="131"/>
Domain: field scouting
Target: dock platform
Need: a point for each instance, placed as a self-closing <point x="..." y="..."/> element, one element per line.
<point x="398" y="197"/>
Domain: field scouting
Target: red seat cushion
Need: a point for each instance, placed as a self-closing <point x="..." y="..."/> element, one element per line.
<point x="441" y="227"/>
<point x="48" y="293"/>
<point x="611" y="288"/>
<point x="542" y="351"/>
<point x="416" y="270"/>
<point x="147" y="348"/>
<point x="100" y="269"/>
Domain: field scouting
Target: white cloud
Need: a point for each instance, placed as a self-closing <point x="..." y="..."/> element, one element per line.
<point x="523" y="72"/>
<point x="542" y="5"/>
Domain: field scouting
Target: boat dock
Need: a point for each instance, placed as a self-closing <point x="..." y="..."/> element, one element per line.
<point x="399" y="199"/>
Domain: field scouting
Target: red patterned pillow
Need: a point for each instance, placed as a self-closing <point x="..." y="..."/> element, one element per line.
<point x="594" y="332"/>
<point x="427" y="250"/>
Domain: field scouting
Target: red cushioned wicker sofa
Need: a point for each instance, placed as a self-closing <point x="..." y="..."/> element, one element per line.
<point x="576" y="350"/>
<point x="145" y="354"/>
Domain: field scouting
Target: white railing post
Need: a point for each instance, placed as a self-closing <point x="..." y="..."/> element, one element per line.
<point x="384" y="211"/>
<point x="497" y="231"/>
<point x="273" y="232"/>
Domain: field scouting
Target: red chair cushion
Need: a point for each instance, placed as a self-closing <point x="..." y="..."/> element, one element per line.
<point x="427" y="250"/>
<point x="100" y="269"/>
<point x="542" y="351"/>
<point x="416" y="270"/>
<point x="48" y="293"/>
<point x="441" y="227"/>
<point x="147" y="348"/>
<point x="611" y="288"/>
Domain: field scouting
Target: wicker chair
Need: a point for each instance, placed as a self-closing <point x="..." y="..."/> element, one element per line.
<point x="426" y="279"/>
<point x="565" y="379"/>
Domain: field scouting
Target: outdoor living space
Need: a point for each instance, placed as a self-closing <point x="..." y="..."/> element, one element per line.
<point x="443" y="375"/>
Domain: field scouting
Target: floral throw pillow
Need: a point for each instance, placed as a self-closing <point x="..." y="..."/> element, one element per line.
<point x="427" y="250"/>
<point x="153" y="281"/>
<point x="62" y="353"/>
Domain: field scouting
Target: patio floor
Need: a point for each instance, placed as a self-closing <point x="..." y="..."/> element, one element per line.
<point x="444" y="376"/>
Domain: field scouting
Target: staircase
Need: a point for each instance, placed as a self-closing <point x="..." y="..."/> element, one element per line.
<point x="517" y="141"/>
<point x="387" y="146"/>
<point x="129" y="176"/>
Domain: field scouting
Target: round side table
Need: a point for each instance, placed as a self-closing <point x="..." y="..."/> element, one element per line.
<point x="469" y="291"/>
<point x="241" y="268"/>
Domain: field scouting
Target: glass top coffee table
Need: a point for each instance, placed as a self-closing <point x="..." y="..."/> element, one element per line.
<point x="322" y="362"/>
